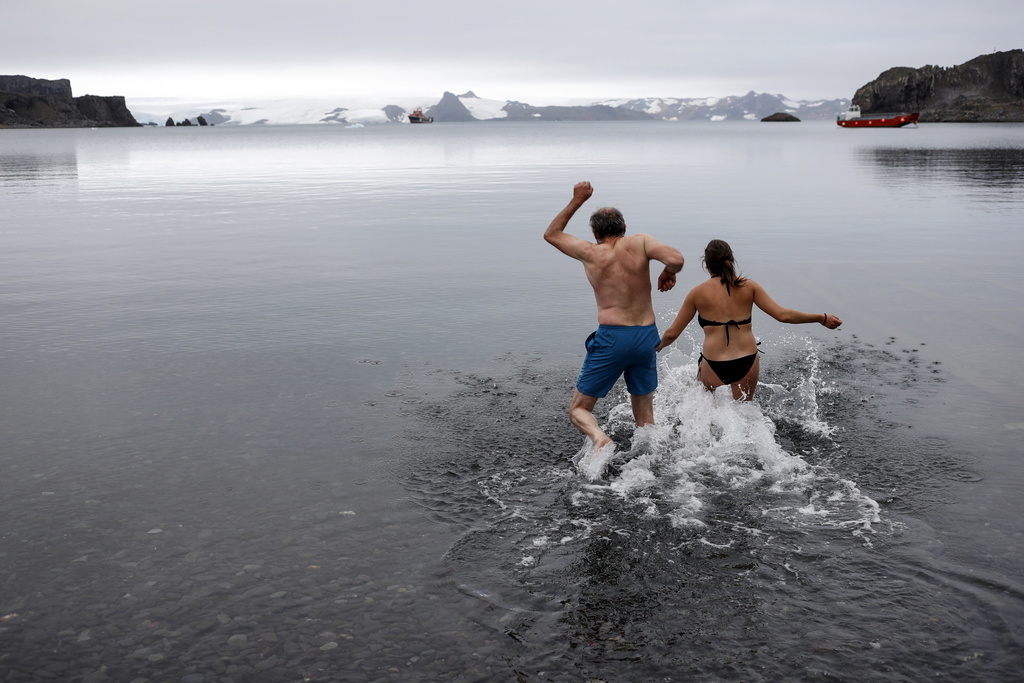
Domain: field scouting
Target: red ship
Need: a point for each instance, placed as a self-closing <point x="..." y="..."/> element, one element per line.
<point x="851" y="118"/>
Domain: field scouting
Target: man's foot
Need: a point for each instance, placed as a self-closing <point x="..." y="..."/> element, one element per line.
<point x="591" y="462"/>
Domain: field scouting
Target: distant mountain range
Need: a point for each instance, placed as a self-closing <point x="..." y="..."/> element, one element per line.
<point x="750" y="107"/>
<point x="468" y="107"/>
<point x="989" y="88"/>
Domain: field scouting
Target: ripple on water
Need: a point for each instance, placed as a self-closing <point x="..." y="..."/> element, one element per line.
<point x="725" y="518"/>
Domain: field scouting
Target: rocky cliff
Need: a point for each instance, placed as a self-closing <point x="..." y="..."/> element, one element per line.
<point x="989" y="88"/>
<point x="37" y="103"/>
<point x="35" y="86"/>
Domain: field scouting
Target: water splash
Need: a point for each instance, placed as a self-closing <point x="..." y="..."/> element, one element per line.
<point x="724" y="521"/>
<point x="590" y="462"/>
<point x="706" y="445"/>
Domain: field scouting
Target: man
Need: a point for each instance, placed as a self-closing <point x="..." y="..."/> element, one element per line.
<point x="618" y="268"/>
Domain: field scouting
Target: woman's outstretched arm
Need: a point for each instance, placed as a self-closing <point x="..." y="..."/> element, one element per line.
<point x="789" y="315"/>
<point x="683" y="318"/>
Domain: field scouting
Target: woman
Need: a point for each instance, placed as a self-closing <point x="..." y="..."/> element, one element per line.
<point x="723" y="305"/>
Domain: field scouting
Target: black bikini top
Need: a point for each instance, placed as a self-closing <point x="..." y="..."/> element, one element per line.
<point x="714" y="323"/>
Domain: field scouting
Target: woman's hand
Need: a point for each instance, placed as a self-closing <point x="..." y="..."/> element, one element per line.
<point x="831" y="321"/>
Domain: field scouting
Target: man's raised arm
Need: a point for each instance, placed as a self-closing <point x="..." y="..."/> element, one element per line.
<point x="555" y="234"/>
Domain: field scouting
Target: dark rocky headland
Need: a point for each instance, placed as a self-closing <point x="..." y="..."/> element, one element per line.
<point x="38" y="103"/>
<point x="987" y="89"/>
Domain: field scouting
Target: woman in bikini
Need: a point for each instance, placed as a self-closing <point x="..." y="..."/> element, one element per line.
<point x="722" y="305"/>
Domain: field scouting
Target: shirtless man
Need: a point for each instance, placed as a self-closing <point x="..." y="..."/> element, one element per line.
<point x="618" y="268"/>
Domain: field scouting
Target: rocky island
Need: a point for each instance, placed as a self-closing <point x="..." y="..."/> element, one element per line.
<point x="39" y="103"/>
<point x="988" y="89"/>
<point x="780" y="116"/>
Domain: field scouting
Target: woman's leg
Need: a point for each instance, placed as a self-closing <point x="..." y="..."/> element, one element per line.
<point x="707" y="376"/>
<point x="744" y="389"/>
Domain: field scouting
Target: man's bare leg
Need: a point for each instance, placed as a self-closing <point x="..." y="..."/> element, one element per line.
<point x="581" y="412"/>
<point x="643" y="409"/>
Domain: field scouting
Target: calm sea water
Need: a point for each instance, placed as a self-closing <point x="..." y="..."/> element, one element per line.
<point x="288" y="403"/>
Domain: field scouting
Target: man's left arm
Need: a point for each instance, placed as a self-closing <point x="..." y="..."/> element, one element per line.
<point x="556" y="235"/>
<point x="670" y="256"/>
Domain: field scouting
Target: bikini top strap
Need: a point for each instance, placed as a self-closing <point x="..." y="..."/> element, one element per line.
<point x="704" y="322"/>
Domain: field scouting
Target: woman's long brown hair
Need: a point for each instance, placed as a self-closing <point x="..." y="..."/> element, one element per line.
<point x="720" y="262"/>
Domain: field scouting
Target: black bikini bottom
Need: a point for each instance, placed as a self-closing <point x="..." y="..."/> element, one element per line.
<point x="730" y="371"/>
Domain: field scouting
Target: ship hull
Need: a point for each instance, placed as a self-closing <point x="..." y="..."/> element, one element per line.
<point x="880" y="122"/>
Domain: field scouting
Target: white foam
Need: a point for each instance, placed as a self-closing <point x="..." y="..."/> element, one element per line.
<point x="591" y="463"/>
<point x="706" y="443"/>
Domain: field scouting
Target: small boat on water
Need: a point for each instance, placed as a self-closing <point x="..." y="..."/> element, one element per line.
<point x="851" y="118"/>
<point x="417" y="116"/>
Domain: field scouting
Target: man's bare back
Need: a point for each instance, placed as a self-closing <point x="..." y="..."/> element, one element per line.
<point x="617" y="266"/>
<point x="618" y="269"/>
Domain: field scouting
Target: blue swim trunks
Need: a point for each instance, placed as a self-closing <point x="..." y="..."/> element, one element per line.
<point x="614" y="350"/>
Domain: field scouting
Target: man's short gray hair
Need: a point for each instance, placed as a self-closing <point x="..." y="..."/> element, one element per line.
<point x="608" y="222"/>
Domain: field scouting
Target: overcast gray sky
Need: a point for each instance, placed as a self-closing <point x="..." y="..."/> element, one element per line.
<point x="535" y="51"/>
